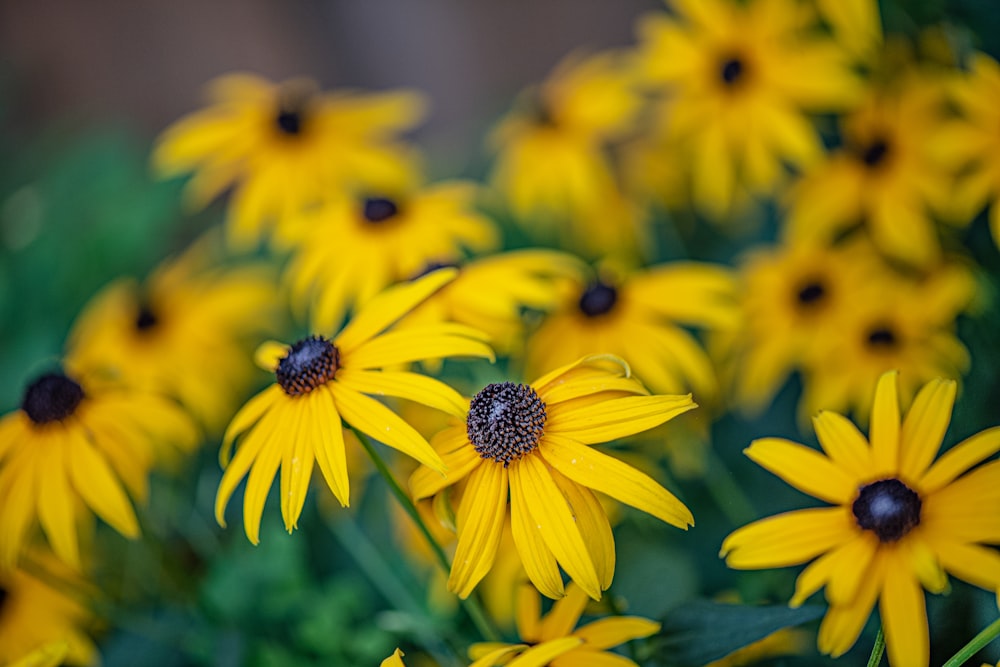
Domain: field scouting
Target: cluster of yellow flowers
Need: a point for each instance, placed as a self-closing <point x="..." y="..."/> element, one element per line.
<point x="383" y="279"/>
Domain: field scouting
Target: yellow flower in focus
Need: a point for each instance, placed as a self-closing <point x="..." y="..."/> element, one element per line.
<point x="286" y="146"/>
<point x="74" y="448"/>
<point x="350" y="249"/>
<point x="40" y="625"/>
<point x="900" y="520"/>
<point x="321" y="384"/>
<point x="639" y="316"/>
<point x="182" y="333"/>
<point x="532" y="440"/>
<point x="554" y="639"/>
<point x="740" y="77"/>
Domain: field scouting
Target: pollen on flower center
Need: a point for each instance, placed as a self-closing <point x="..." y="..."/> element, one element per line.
<point x="52" y="397"/>
<point x="505" y="421"/>
<point x="379" y="209"/>
<point x="732" y="70"/>
<point x="888" y="507"/>
<point x="311" y="362"/>
<point x="598" y="299"/>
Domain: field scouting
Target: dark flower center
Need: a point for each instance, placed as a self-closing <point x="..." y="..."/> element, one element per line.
<point x="379" y="209"/>
<point x="882" y="337"/>
<point x="597" y="299"/>
<point x="3" y="599"/>
<point x="505" y="421"/>
<point x="311" y="362"/>
<point x="874" y="153"/>
<point x="52" y="397"/>
<point x="888" y="507"/>
<point x="146" y="319"/>
<point x="811" y="293"/>
<point x="290" y="121"/>
<point x="733" y="69"/>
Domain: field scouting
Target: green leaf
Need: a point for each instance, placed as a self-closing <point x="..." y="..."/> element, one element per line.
<point x="701" y="631"/>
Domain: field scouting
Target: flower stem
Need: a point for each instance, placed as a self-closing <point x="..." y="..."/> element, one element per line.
<point x="878" y="649"/>
<point x="991" y="632"/>
<point x="470" y="604"/>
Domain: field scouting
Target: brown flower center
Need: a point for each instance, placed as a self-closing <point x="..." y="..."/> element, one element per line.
<point x="145" y="319"/>
<point x="888" y="508"/>
<point x="52" y="397"/>
<point x="733" y="71"/>
<point x="311" y="362"/>
<point x="874" y="153"/>
<point x="379" y="209"/>
<point x="882" y="338"/>
<point x="811" y="294"/>
<point x="505" y="422"/>
<point x="597" y="299"/>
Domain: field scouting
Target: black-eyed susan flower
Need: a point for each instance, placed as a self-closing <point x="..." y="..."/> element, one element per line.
<point x="39" y="620"/>
<point x="533" y="442"/>
<point x="900" y="520"/>
<point x="391" y="236"/>
<point x="183" y="333"/>
<point x="286" y="146"/>
<point x="741" y="77"/>
<point x="321" y="384"/>
<point x="73" y="449"/>
<point x="554" y="639"/>
<point x="640" y="316"/>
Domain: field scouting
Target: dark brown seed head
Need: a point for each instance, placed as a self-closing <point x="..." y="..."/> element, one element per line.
<point x="505" y="422"/>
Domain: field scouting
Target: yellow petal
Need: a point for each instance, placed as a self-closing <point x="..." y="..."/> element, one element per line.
<point x="841" y="570"/>
<point x="884" y="431"/>
<point x="614" y="418"/>
<point x="250" y="447"/>
<point x="904" y="617"/>
<point x="94" y="480"/>
<point x="247" y="417"/>
<point x="565" y="613"/>
<point x="480" y="523"/>
<point x="383" y="310"/>
<point x="538" y="561"/>
<point x="394" y="660"/>
<point x="593" y="366"/>
<point x="603" y="473"/>
<point x="55" y="508"/>
<point x="552" y="515"/>
<point x="529" y="611"/>
<point x="610" y="632"/>
<point x="960" y="458"/>
<point x="19" y="489"/>
<point x="493" y="657"/>
<point x="924" y="427"/>
<point x="269" y="353"/>
<point x="543" y="654"/>
<point x="411" y="386"/>
<point x="297" y="459"/>
<point x="842" y="624"/>
<point x="331" y="453"/>
<point x="264" y="469"/>
<point x="435" y="341"/>
<point x="843" y="443"/>
<point x="788" y="539"/>
<point x="804" y="468"/>
<point x="594" y="525"/>
<point x="973" y="563"/>
<point x="458" y="461"/>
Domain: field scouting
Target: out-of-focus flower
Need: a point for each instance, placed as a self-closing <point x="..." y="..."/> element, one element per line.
<point x="350" y="249"/>
<point x="900" y="520"/>
<point x="285" y="147"/>
<point x="554" y="639"/>
<point x="639" y="316"/>
<point x="321" y="384"/>
<point x="41" y="625"/>
<point x="740" y="77"/>
<point x="183" y="333"/>
<point x="856" y="24"/>
<point x="72" y="449"/>
<point x="533" y="441"/>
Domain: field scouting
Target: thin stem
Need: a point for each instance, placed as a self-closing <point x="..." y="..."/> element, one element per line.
<point x="991" y="632"/>
<point x="728" y="495"/>
<point x="470" y="604"/>
<point x="878" y="649"/>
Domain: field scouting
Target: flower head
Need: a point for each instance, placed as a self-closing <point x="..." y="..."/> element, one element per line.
<point x="321" y="384"/>
<point x="532" y="440"/>
<point x="900" y="520"/>
<point x="554" y="639"/>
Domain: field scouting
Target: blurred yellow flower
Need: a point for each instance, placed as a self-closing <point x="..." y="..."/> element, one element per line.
<point x="532" y="440"/>
<point x="554" y="639"/>
<point x="182" y="333"/>
<point x="321" y="384"/>
<point x="350" y="249"/>
<point x="72" y="449"/>
<point x="900" y="520"/>
<point x="286" y="146"/>
<point x="49" y="655"/>
<point x="856" y="24"/>
<point x="740" y="77"/>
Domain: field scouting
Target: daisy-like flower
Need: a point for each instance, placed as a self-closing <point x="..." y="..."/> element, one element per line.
<point x="38" y="620"/>
<point x="73" y="448"/>
<point x="740" y="77"/>
<point x="554" y="639"/>
<point x="631" y="316"/>
<point x="321" y="384"/>
<point x="183" y="333"/>
<point x="285" y="146"/>
<point x="900" y="520"/>
<point x="532" y="440"/>
<point x="391" y="238"/>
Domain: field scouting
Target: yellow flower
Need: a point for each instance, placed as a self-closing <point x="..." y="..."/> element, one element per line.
<point x="388" y="238"/>
<point x="394" y="660"/>
<point x="740" y="77"/>
<point x="639" y="316"/>
<point x="181" y="334"/>
<point x="72" y="446"/>
<point x="884" y="176"/>
<point x="532" y="440"/>
<point x="321" y="384"/>
<point x="41" y="625"/>
<point x="285" y="147"/>
<point x="856" y="24"/>
<point x="552" y="640"/>
<point x="900" y="520"/>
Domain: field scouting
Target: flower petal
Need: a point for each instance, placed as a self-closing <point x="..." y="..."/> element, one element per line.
<point x="960" y="458"/>
<point x="788" y="539"/>
<point x="565" y="613"/>
<point x="842" y="624"/>
<point x="594" y="525"/>
<point x="411" y="386"/>
<point x="600" y="472"/>
<point x="55" y="507"/>
<point x="264" y="469"/>
<point x="904" y="617"/>
<point x="843" y="443"/>
<point x="884" y="430"/>
<point x="615" y="418"/>
<point x="269" y="354"/>
<point x="581" y="657"/>
<point x="804" y="468"/>
<point x="529" y="611"/>
<point x="490" y="659"/>
<point x="297" y="459"/>
<point x="432" y="341"/>
<point x="543" y="654"/>
<point x="94" y="480"/>
<point x="841" y="570"/>
<point x="973" y="563"/>
<point x="610" y="632"/>
<point x="247" y="417"/>
<point x="538" y="561"/>
<point x="924" y="426"/>
<point x="250" y="447"/>
<point x="480" y="523"/>
<point x="330" y="448"/>
<point x="18" y="490"/>
<point x="459" y="461"/>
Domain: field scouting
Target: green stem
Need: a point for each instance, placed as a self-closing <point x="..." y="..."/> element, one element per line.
<point x="470" y="604"/>
<point x="991" y="632"/>
<point x="878" y="649"/>
<point x="728" y="495"/>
